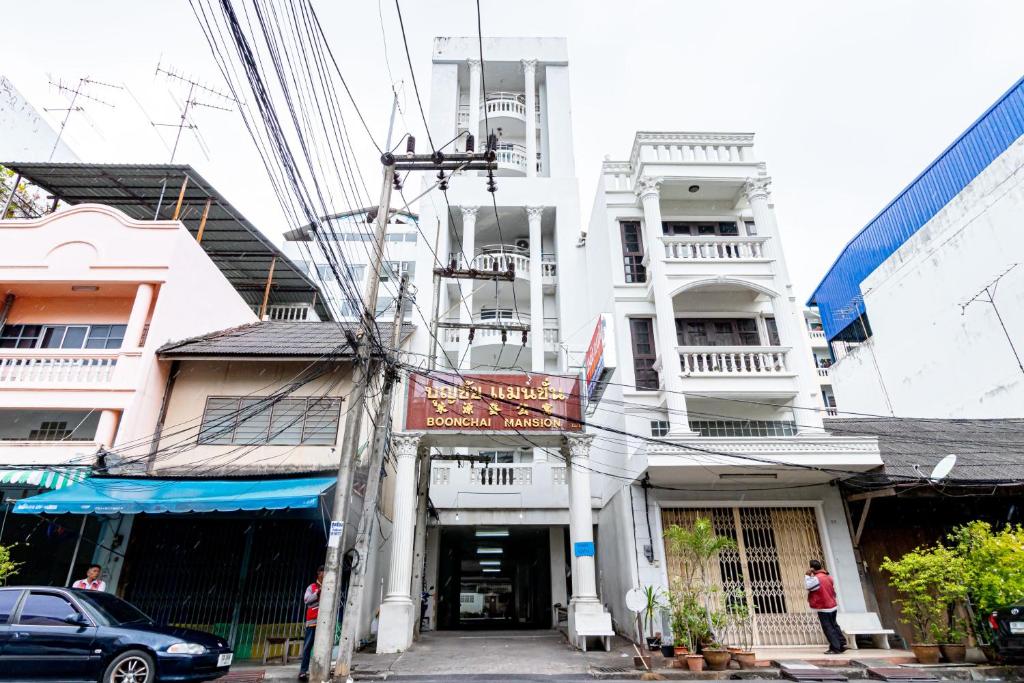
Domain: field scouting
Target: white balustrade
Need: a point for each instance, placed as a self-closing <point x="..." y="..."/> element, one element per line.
<point x="713" y="248"/>
<point x="483" y="335"/>
<point x="697" y="151"/>
<point x="548" y="267"/>
<point x="733" y="361"/>
<point x="511" y="155"/>
<point x="817" y="334"/>
<point x="501" y="261"/>
<point x="463" y="121"/>
<point x="506" y="103"/>
<point x="822" y="372"/>
<point x="292" y="312"/>
<point x="63" y="369"/>
<point x="501" y="475"/>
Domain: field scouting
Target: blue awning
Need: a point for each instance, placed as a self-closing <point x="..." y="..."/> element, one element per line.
<point x="152" y="495"/>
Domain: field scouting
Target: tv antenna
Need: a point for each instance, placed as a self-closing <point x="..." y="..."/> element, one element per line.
<point x="78" y="91"/>
<point x="988" y="295"/>
<point x="185" y="120"/>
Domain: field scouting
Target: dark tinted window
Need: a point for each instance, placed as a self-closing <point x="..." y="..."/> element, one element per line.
<point x="111" y="609"/>
<point x="8" y="599"/>
<point x="45" y="609"/>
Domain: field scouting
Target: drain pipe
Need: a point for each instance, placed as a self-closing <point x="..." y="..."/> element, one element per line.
<point x="649" y="548"/>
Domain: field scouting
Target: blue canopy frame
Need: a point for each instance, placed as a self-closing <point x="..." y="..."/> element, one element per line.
<point x="155" y="496"/>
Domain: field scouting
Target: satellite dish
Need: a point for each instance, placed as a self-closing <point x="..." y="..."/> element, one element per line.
<point x="942" y="468"/>
<point x="635" y="600"/>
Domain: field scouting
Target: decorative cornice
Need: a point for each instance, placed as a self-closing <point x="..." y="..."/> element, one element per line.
<point x="796" y="445"/>
<point x="757" y="188"/>
<point x="469" y="211"/>
<point x="529" y="66"/>
<point x="647" y="186"/>
<point x="534" y="212"/>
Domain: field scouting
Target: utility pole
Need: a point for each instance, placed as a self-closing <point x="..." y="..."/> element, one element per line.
<point x="330" y="591"/>
<point x="381" y="433"/>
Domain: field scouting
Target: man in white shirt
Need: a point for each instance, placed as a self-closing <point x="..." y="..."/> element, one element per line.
<point x="92" y="580"/>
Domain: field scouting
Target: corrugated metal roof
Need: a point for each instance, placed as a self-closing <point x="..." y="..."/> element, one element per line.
<point x="838" y="295"/>
<point x="150" y="191"/>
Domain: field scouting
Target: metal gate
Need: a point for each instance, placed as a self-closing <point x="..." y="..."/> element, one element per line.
<point x="765" y="569"/>
<point x="242" y="579"/>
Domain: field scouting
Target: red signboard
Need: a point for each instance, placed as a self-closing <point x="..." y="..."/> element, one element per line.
<point x="499" y="402"/>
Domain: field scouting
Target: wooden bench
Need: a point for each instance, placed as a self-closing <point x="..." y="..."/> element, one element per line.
<point x="285" y="641"/>
<point x="855" y="624"/>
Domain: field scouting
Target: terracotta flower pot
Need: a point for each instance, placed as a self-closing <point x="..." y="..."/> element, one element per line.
<point x="926" y="653"/>
<point x="954" y="653"/>
<point x="695" y="662"/>
<point x="718" y="660"/>
<point x="746" y="660"/>
<point x="681" y="650"/>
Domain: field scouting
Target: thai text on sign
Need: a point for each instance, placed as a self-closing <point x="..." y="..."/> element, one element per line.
<point x="493" y="402"/>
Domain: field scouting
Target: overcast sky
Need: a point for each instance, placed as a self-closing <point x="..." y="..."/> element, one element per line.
<point x="849" y="100"/>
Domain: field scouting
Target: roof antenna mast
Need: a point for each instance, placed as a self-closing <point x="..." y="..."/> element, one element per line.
<point x="184" y="120"/>
<point x="80" y="90"/>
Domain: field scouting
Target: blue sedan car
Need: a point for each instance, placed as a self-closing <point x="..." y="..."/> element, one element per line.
<point x="58" y="634"/>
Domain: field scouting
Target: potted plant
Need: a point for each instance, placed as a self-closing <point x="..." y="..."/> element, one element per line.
<point x="952" y="640"/>
<point x="928" y="580"/>
<point x="699" y="546"/>
<point x="738" y="616"/>
<point x="653" y="604"/>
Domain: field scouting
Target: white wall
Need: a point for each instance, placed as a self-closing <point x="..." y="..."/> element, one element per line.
<point x="24" y="134"/>
<point x="934" y="358"/>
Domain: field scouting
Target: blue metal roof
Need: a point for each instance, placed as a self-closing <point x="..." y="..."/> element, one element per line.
<point x="130" y="496"/>
<point x="838" y="295"/>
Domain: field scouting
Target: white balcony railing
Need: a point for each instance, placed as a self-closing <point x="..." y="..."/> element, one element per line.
<point x="505" y="103"/>
<point x="817" y="334"/>
<point x="501" y="475"/>
<point x="485" y="336"/>
<point x="823" y="372"/>
<point x="511" y="156"/>
<point x="501" y="261"/>
<point x="57" y="368"/>
<point x="291" y="312"/>
<point x="713" y="248"/>
<point x="548" y="267"/>
<point x="733" y="361"/>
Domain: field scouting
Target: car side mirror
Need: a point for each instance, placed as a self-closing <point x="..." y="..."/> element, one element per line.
<point x="75" y="620"/>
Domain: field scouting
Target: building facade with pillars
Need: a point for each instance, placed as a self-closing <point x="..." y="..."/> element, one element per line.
<point x="513" y="531"/>
<point x="715" y="387"/>
<point x="89" y="295"/>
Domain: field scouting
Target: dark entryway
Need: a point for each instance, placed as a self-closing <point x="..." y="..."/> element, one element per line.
<point x="494" y="578"/>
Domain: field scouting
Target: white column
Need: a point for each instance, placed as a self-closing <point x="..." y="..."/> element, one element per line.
<point x="586" y="613"/>
<point x="466" y="286"/>
<point x="788" y="315"/>
<point x="138" y="317"/>
<point x="534" y="215"/>
<point x="474" y="104"/>
<point x="106" y="428"/>
<point x="529" y="73"/>
<point x="398" y="610"/>
<point x="556" y="549"/>
<point x="670" y="373"/>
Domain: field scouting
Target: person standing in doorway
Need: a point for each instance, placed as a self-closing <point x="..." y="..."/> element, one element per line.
<point x="311" y="599"/>
<point x="821" y="597"/>
<point x="92" y="580"/>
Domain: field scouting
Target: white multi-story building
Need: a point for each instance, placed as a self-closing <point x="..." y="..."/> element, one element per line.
<point x="822" y="357"/>
<point x="941" y="260"/>
<point x="715" y="387"/>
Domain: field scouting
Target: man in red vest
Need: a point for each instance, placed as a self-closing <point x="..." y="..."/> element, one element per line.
<point x="311" y="599"/>
<point x="821" y="597"/>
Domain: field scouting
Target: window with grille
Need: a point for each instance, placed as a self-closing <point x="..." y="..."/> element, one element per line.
<point x="633" y="252"/>
<point x="659" y="427"/>
<point x="717" y="332"/>
<point x="644" y="354"/>
<point x="722" y="228"/>
<point x="312" y="421"/>
<point x="751" y="228"/>
<point x="394" y="270"/>
<point x="773" y="331"/>
<point x="744" y="427"/>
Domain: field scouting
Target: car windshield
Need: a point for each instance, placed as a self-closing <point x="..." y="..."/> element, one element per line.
<point x="111" y="609"/>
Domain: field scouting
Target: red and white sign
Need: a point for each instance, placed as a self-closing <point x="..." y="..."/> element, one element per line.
<point x="494" y="402"/>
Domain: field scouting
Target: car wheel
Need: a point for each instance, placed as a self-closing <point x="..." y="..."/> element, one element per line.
<point x="133" y="666"/>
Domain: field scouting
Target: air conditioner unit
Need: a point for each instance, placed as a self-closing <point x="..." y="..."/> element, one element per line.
<point x="523" y="243"/>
